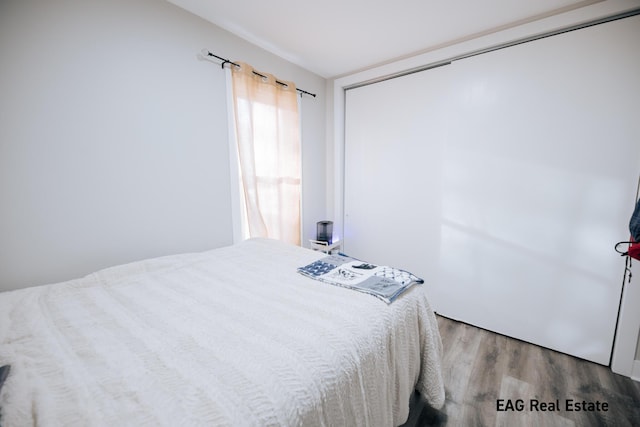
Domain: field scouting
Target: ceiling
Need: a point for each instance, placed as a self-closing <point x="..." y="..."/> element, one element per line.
<point x="336" y="37"/>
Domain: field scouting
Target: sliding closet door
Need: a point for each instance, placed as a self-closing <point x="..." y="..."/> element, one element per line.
<point x="504" y="180"/>
<point x="393" y="172"/>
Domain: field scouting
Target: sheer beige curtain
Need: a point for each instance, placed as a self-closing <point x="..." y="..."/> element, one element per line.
<point x="268" y="137"/>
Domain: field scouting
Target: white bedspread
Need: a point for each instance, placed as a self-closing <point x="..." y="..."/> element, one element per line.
<point x="233" y="336"/>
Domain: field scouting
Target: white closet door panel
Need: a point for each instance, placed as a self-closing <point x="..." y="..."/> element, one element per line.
<point x="393" y="173"/>
<point x="521" y="167"/>
<point x="538" y="184"/>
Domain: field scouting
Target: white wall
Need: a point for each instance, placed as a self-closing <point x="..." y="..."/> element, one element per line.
<point x="113" y="136"/>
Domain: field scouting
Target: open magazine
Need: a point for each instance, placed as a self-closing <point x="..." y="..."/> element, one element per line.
<point x="384" y="282"/>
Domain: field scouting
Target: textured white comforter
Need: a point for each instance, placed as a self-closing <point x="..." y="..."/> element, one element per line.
<point x="232" y="336"/>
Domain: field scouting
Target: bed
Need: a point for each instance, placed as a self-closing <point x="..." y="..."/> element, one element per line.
<point x="232" y="336"/>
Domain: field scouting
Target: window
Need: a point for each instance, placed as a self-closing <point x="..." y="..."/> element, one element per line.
<point x="268" y="144"/>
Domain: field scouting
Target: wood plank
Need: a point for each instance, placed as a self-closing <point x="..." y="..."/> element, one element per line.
<point x="481" y="367"/>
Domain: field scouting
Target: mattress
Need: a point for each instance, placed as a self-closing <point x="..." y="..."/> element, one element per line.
<point x="232" y="336"/>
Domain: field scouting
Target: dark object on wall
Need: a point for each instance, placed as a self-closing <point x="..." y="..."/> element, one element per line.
<point x="633" y="250"/>
<point x="634" y="224"/>
<point x="325" y="231"/>
<point x="4" y="373"/>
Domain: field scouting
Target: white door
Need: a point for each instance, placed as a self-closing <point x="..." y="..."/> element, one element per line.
<point x="504" y="180"/>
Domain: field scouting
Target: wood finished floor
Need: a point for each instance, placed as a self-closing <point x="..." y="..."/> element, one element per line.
<point x="481" y="367"/>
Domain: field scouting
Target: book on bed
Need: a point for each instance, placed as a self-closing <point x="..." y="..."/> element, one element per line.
<point x="383" y="282"/>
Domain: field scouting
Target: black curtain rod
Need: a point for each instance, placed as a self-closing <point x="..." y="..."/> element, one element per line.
<point x="226" y="61"/>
